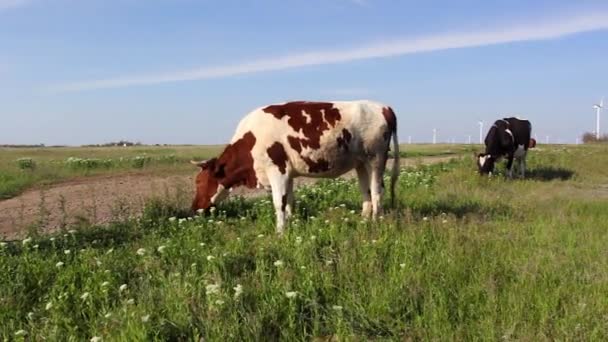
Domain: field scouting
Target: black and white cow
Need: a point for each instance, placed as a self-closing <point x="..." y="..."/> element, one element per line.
<point x="508" y="137"/>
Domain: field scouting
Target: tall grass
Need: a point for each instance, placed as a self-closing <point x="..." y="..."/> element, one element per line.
<point x="461" y="258"/>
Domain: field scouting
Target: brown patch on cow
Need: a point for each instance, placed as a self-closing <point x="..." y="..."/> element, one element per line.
<point x="311" y="119"/>
<point x="294" y="143"/>
<point x="391" y="121"/>
<point x="318" y="166"/>
<point x="236" y="163"/>
<point x="283" y="202"/>
<point x="344" y="140"/>
<point x="277" y="153"/>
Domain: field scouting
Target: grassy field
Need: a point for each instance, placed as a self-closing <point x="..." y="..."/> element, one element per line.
<point x="461" y="258"/>
<point x="23" y="168"/>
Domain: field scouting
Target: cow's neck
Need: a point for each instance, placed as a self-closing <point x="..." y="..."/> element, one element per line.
<point x="238" y="163"/>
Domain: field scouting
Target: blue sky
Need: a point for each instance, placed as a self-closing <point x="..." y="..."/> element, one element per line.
<point x="185" y="71"/>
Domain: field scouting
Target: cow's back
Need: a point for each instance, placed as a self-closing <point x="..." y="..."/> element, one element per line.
<point x="318" y="139"/>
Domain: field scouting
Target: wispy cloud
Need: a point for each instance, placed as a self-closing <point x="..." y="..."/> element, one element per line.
<point x="541" y="30"/>
<point x="8" y="4"/>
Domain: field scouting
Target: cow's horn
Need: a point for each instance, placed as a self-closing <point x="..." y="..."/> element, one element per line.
<point x="198" y="163"/>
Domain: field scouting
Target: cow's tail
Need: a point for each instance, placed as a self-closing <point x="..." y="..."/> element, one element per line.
<point x="396" y="164"/>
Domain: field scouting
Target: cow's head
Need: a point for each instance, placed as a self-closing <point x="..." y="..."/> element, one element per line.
<point x="485" y="163"/>
<point x="532" y="143"/>
<point x="209" y="191"/>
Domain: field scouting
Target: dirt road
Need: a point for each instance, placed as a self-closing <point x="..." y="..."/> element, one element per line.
<point x="100" y="199"/>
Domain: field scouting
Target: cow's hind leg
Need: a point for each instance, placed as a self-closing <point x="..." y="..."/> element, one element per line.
<point x="289" y="209"/>
<point x="522" y="166"/>
<point x="280" y="195"/>
<point x="364" y="185"/>
<point x="377" y="184"/>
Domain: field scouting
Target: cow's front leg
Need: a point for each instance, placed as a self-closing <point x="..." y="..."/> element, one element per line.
<point x="510" y="166"/>
<point x="279" y="184"/>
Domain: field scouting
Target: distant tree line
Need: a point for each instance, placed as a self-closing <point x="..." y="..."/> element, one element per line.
<point x="22" y="146"/>
<point x="589" y="138"/>
<point x="116" y="143"/>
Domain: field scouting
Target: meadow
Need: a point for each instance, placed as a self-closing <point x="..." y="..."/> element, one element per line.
<point x="24" y="168"/>
<point x="461" y="257"/>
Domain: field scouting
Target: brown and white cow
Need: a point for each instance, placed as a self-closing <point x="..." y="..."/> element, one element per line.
<point x="275" y="144"/>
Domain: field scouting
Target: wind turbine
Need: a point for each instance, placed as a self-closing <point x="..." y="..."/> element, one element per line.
<point x="598" y="109"/>
<point x="480" y="132"/>
<point x="434" y="135"/>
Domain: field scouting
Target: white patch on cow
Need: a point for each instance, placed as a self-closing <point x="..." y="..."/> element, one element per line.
<point x="509" y="132"/>
<point x="520" y="152"/>
<point x="482" y="159"/>
<point x="220" y="194"/>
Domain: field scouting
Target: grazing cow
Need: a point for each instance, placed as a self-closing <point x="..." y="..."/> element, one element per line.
<point x="508" y="137"/>
<point x="274" y="144"/>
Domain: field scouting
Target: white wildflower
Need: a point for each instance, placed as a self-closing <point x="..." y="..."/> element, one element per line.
<point x="105" y="283"/>
<point x="20" y="333"/>
<point x="212" y="209"/>
<point x="402" y="265"/>
<point x="425" y="218"/>
<point x="202" y="244"/>
<point x="193" y="265"/>
<point x="172" y="219"/>
<point x="342" y="205"/>
<point x="337" y="307"/>
<point x="67" y="251"/>
<point x="95" y="339"/>
<point x="145" y="318"/>
<point x="72" y="231"/>
<point x="30" y="315"/>
<point x="200" y="211"/>
<point x="84" y="296"/>
<point x="25" y="242"/>
<point x="110" y="250"/>
<point x="122" y="287"/>
<point x="36" y="246"/>
<point x="278" y="263"/>
<point x="238" y="290"/>
<point x="210" y="221"/>
<point x="291" y="294"/>
<point x="210" y="257"/>
<point x="374" y="241"/>
<point x="141" y="251"/>
<point x="160" y="249"/>
<point x="313" y="238"/>
<point x="302" y="267"/>
<point x="298" y="240"/>
<point x="352" y="212"/>
<point x="219" y="302"/>
<point x="52" y="239"/>
<point x="260" y="235"/>
<point x="131" y="301"/>
<point x="108" y="315"/>
<point x="444" y="221"/>
<point x="326" y="221"/>
<point x="212" y="289"/>
<point x="329" y="262"/>
<point x="48" y="306"/>
<point x="59" y="264"/>
<point x="3" y="244"/>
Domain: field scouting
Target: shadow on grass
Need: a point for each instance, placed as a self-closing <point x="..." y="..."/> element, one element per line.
<point x="458" y="208"/>
<point x="548" y="173"/>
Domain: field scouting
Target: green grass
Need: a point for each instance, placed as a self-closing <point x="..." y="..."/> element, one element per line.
<point x="50" y="165"/>
<point x="461" y="258"/>
<point x="24" y="168"/>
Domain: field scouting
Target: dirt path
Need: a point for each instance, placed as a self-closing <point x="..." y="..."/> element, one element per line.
<point x="100" y="199"/>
